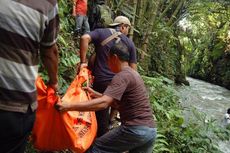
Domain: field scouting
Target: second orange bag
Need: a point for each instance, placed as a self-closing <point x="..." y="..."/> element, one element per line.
<point x="57" y="131"/>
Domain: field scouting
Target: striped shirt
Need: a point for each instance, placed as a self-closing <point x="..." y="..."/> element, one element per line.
<point x="25" y="25"/>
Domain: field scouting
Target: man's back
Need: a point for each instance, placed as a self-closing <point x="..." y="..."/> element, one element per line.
<point x="25" y="26"/>
<point x="129" y="90"/>
<point x="101" y="70"/>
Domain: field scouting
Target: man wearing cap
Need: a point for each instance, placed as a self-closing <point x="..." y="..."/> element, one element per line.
<point x="102" y="74"/>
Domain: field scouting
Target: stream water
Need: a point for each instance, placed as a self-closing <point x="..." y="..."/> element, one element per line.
<point x="208" y="98"/>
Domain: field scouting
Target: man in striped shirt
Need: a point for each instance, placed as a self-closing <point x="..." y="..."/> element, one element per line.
<point x="28" y="29"/>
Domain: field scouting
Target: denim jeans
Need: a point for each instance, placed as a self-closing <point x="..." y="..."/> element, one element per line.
<point x="14" y="130"/>
<point x="82" y="24"/>
<point x="135" y="139"/>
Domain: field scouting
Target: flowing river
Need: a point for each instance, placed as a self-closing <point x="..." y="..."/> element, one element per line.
<point x="208" y="98"/>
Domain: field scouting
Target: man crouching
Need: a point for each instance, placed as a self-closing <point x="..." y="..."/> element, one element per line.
<point x="128" y="94"/>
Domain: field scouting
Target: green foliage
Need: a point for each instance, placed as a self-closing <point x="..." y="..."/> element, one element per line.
<point x="207" y="31"/>
<point x="199" y="132"/>
<point x="68" y="57"/>
<point x="67" y="46"/>
<point x="163" y="52"/>
<point x="30" y="148"/>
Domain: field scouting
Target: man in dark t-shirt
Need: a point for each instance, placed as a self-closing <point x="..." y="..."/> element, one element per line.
<point x="101" y="72"/>
<point x="128" y="94"/>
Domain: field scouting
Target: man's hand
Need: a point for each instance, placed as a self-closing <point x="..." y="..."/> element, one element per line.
<point x="83" y="65"/>
<point x="54" y="86"/>
<point x="62" y="106"/>
<point x="92" y="92"/>
<point x="49" y="56"/>
<point x="80" y="66"/>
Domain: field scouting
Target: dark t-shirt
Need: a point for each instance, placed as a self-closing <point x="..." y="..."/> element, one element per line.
<point x="101" y="70"/>
<point x="129" y="90"/>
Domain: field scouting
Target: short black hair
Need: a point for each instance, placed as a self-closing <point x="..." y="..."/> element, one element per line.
<point x="121" y="50"/>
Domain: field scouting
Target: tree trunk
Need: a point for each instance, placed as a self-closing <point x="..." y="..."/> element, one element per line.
<point x="150" y="28"/>
<point x="173" y="17"/>
<point x="166" y="9"/>
<point x="133" y="19"/>
<point x="119" y="5"/>
<point x="180" y="75"/>
<point x="141" y="12"/>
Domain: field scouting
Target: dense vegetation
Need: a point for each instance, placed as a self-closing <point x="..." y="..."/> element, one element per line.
<point x="175" y="38"/>
<point x="206" y="39"/>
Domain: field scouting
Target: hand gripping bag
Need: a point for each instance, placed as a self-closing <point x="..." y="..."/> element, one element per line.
<point x="49" y="130"/>
<point x="69" y="130"/>
<point x="85" y="124"/>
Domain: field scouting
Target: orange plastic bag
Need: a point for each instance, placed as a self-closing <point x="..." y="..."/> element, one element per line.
<point x="84" y="126"/>
<point x="48" y="122"/>
<point x="57" y="131"/>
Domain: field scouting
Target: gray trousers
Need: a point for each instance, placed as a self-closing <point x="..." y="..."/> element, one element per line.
<point x="82" y="24"/>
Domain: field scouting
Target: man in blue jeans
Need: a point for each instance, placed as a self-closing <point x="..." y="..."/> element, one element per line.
<point x="127" y="93"/>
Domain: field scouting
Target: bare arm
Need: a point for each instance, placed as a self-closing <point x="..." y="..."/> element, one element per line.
<point x="49" y="56"/>
<point x="91" y="105"/>
<point x="84" y="44"/>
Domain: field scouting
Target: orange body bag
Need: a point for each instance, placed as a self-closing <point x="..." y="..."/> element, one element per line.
<point x="69" y="130"/>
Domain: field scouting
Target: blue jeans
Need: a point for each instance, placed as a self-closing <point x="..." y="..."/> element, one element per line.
<point x="135" y="139"/>
<point x="82" y="24"/>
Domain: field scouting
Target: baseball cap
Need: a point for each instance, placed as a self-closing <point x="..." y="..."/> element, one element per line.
<point x="120" y="20"/>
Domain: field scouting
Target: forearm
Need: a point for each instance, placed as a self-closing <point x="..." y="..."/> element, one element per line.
<point x="91" y="105"/>
<point x="49" y="58"/>
<point x="97" y="94"/>
<point x="84" y="44"/>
